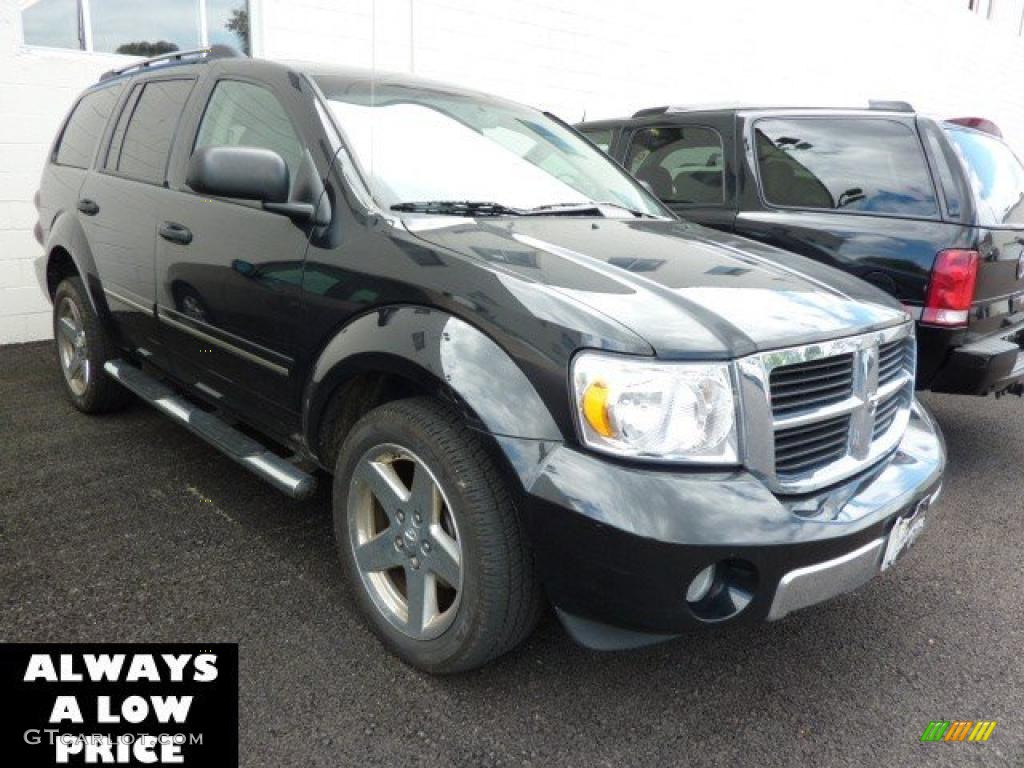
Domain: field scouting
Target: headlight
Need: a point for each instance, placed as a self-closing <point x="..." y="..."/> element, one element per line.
<point x="634" y="407"/>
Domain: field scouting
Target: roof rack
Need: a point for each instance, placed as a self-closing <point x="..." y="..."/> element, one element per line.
<point x="198" y="54"/>
<point x="883" y="105"/>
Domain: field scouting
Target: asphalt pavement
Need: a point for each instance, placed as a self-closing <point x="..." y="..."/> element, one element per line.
<point x="128" y="528"/>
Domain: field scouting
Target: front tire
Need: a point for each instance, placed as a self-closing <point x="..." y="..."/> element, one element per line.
<point x="83" y="348"/>
<point x="431" y="540"/>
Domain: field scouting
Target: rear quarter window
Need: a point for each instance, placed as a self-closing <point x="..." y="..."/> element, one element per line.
<point x="85" y="127"/>
<point x="142" y="140"/>
<point x="872" y="166"/>
<point x="995" y="174"/>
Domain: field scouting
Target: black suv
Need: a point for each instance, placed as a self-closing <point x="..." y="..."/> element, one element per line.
<point x="931" y="212"/>
<point x="526" y="376"/>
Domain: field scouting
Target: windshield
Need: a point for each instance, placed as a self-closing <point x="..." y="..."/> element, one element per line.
<point x="996" y="176"/>
<point x="419" y="144"/>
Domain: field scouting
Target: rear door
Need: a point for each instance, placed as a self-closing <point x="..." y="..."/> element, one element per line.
<point x="74" y="152"/>
<point x="994" y="177"/>
<point x="119" y="201"/>
<point x="230" y="273"/>
<point x="850" y="190"/>
<point x="687" y="166"/>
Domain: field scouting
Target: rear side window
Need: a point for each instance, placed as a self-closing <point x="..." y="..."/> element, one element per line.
<point x="847" y="164"/>
<point x="682" y="164"/>
<point x="602" y="137"/>
<point x="142" y="139"/>
<point x="995" y="174"/>
<point x="246" y="115"/>
<point x="85" y="126"/>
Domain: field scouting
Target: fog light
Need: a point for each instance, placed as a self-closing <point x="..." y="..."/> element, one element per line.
<point x="701" y="585"/>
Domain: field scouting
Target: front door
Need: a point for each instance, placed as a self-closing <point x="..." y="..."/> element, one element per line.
<point x="229" y="274"/>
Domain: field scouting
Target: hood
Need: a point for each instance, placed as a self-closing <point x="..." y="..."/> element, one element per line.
<point x="687" y="290"/>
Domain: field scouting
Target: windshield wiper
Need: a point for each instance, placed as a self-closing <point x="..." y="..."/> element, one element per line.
<point x="457" y="208"/>
<point x="485" y="208"/>
<point x="569" y="209"/>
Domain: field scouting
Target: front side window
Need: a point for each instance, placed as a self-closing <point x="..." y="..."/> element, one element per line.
<point x="844" y="164"/>
<point x="602" y="137"/>
<point x="142" y="139"/>
<point x="418" y="144"/>
<point x="246" y="115"/>
<point x="136" y="27"/>
<point x="682" y="164"/>
<point x="85" y="127"/>
<point x="995" y="174"/>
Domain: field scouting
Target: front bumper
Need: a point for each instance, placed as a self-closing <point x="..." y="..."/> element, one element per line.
<point x="617" y="545"/>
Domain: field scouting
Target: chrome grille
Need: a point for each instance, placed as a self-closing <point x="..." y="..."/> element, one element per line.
<point x="816" y="414"/>
<point x="801" y="449"/>
<point x="812" y="384"/>
<point x="891" y="360"/>
<point x="886" y="414"/>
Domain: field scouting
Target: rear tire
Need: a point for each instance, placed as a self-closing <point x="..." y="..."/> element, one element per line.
<point x="83" y="348"/>
<point x="430" y="538"/>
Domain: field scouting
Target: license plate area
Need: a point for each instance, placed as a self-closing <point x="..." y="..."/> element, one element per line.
<point x="905" y="532"/>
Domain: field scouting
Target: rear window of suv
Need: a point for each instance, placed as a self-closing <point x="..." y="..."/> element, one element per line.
<point x="996" y="176"/>
<point x="142" y="139"/>
<point x="873" y="166"/>
<point x="85" y="126"/>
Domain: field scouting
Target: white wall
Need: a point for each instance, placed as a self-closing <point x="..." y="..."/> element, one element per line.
<point x="594" y="57"/>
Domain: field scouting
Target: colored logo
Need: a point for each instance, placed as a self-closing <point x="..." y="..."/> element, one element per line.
<point x="958" y="730"/>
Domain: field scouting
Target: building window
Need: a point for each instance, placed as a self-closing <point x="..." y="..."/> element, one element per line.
<point x="136" y="27"/>
<point x="981" y="7"/>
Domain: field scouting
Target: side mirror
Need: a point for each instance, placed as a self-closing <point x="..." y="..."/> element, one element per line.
<point x="247" y="173"/>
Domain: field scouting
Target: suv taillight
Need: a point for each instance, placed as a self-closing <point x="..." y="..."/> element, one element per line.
<point x="951" y="289"/>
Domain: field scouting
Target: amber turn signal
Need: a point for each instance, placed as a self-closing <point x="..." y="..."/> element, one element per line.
<point x="595" y="408"/>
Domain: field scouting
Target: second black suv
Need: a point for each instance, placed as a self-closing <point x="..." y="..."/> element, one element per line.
<point x="931" y="212"/>
<point x="526" y="376"/>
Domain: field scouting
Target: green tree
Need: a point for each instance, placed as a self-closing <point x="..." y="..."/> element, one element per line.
<point x="239" y="24"/>
<point x="144" y="48"/>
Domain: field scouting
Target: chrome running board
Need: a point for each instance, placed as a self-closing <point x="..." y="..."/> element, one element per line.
<point x="277" y="471"/>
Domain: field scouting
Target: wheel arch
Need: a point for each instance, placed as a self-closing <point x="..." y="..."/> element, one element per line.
<point x="67" y="248"/>
<point x="419" y="350"/>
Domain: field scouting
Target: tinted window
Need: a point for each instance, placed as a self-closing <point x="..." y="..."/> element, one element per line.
<point x="866" y="165"/>
<point x="144" y="134"/>
<point x="602" y="137"/>
<point x="995" y="174"/>
<point x="941" y="158"/>
<point x="84" y="128"/>
<point x="245" y="115"/>
<point x="683" y="164"/>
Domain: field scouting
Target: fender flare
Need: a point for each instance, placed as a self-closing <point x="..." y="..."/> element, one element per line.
<point x="66" y="234"/>
<point x="431" y="347"/>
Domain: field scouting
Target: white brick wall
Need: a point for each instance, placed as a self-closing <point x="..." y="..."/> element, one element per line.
<point x="597" y="58"/>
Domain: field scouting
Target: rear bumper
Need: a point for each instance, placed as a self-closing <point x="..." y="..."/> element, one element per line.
<point x="948" y="365"/>
<point x="618" y="545"/>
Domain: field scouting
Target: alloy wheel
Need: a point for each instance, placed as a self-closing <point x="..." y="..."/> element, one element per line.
<point x="405" y="541"/>
<point x="72" y="346"/>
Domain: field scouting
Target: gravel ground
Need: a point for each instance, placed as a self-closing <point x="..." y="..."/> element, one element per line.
<point x="127" y="528"/>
